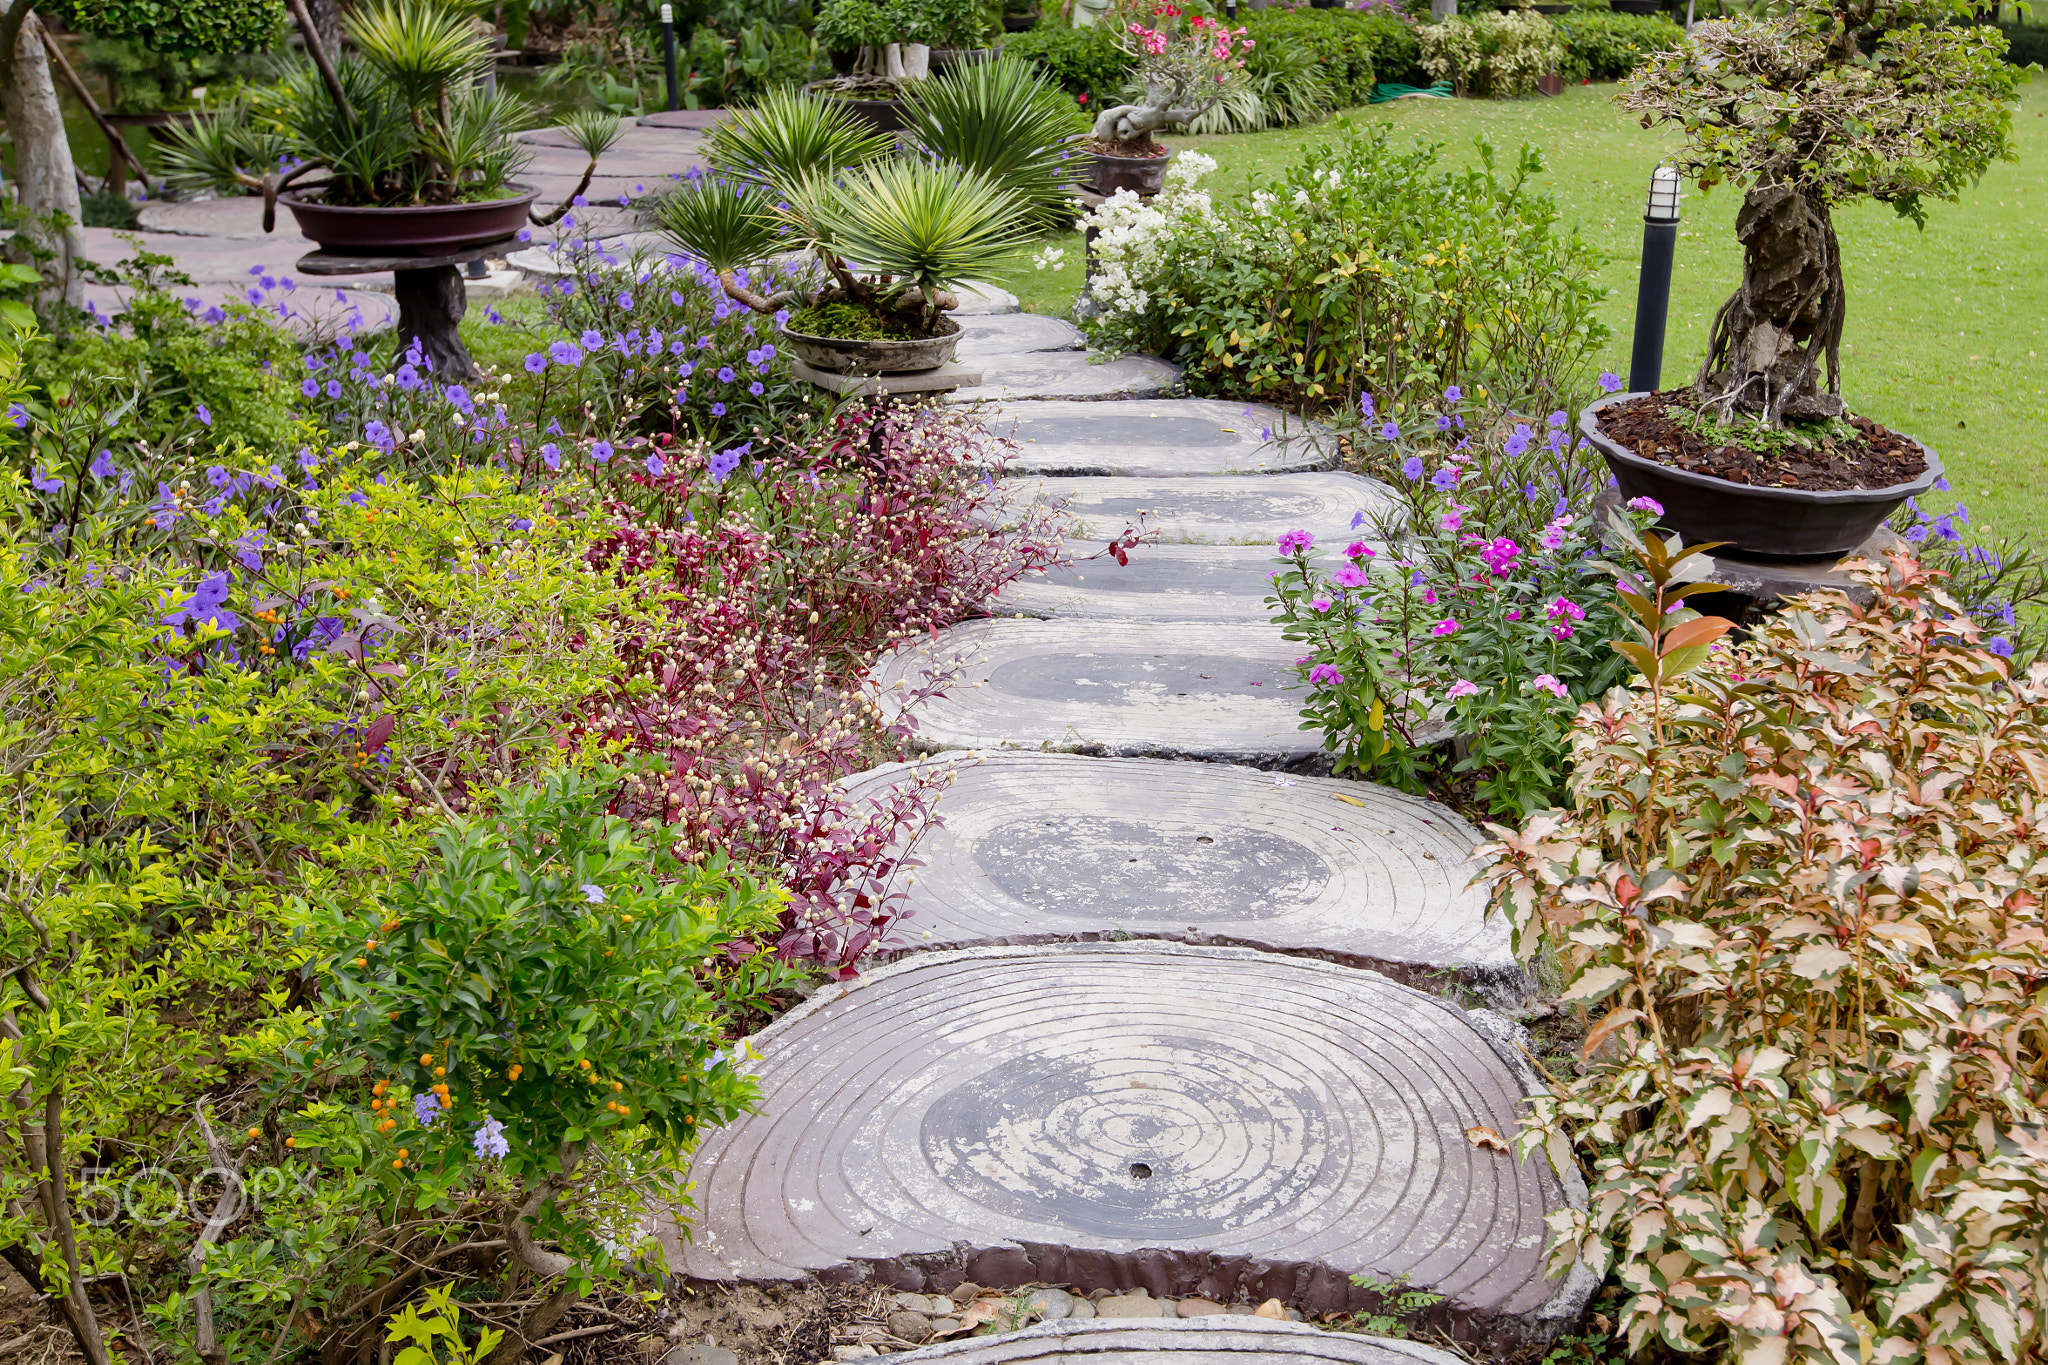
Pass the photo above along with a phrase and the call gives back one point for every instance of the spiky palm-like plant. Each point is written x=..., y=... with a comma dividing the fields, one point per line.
x=1008, y=120
x=789, y=135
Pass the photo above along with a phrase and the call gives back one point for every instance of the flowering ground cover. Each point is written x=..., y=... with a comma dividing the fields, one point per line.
x=1944, y=348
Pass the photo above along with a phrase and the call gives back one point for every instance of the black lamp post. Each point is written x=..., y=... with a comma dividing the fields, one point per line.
x=1653, y=293
x=668, y=47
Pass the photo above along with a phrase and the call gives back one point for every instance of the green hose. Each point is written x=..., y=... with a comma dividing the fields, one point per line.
x=1386, y=91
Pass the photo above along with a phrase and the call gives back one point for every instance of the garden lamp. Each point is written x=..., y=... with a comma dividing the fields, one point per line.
x=668, y=48
x=1653, y=292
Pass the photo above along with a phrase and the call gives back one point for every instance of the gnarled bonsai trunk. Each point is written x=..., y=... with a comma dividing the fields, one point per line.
x=1769, y=340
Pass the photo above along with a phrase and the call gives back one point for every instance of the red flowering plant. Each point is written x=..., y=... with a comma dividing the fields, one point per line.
x=1187, y=63
x=1468, y=608
x=879, y=529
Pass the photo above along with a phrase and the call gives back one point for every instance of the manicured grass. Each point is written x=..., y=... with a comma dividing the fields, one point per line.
x=1945, y=326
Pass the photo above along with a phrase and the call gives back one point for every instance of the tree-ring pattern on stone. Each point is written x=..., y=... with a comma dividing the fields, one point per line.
x=986, y=1112
x=1190, y=1341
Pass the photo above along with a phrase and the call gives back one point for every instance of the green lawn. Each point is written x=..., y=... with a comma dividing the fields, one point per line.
x=1944, y=325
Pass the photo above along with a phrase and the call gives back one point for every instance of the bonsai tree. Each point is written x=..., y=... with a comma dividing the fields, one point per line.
x=404, y=122
x=877, y=31
x=1831, y=101
x=804, y=174
x=1187, y=63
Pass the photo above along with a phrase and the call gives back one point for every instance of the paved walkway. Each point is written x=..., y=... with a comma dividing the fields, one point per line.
x=1177, y=1017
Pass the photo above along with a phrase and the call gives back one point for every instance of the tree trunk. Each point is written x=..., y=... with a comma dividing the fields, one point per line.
x=326, y=16
x=45, y=178
x=1770, y=339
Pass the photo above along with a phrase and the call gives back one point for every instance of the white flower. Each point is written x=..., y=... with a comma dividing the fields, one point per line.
x=1052, y=258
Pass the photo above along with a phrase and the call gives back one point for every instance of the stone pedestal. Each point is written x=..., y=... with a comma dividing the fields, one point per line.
x=946, y=378
x=432, y=297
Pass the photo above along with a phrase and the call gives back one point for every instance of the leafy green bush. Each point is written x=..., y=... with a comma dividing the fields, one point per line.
x=179, y=27
x=1084, y=61
x=1607, y=46
x=1798, y=894
x=1364, y=269
x=1354, y=50
x=1493, y=56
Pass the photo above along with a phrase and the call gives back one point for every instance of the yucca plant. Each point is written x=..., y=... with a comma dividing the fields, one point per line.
x=403, y=122
x=790, y=135
x=728, y=224
x=1008, y=120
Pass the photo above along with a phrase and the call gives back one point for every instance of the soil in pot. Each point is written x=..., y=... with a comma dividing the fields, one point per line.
x=1817, y=457
x=851, y=322
x=1131, y=147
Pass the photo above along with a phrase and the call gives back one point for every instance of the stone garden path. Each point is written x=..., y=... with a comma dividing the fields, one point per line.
x=1176, y=1023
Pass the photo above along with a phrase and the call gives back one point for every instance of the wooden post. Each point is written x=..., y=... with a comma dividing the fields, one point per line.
x=117, y=146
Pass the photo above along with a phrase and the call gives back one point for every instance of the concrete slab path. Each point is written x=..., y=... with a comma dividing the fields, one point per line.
x=1213, y=511
x=1154, y=438
x=1190, y=1341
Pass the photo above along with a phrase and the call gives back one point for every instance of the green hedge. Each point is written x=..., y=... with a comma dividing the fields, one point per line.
x=2029, y=43
x=1606, y=47
x=1354, y=50
x=1085, y=61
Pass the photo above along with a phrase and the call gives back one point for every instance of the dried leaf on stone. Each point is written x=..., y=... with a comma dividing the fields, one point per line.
x=1479, y=1135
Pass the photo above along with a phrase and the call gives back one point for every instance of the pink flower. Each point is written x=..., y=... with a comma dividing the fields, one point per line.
x=1324, y=674
x=1650, y=505
x=1320, y=604
x=1564, y=608
x=1350, y=576
x=1462, y=688
x=1358, y=549
x=1515, y=614
x=1544, y=682
x=1447, y=626
x=1561, y=632
x=1451, y=521
x=1429, y=597
x=1499, y=554
x=1553, y=535
x=1291, y=542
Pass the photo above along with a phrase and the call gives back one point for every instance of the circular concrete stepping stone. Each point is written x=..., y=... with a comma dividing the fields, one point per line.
x=1003, y=334
x=980, y=299
x=1155, y=438
x=1069, y=375
x=237, y=217
x=1228, y=692
x=1212, y=1120
x=1213, y=511
x=1161, y=582
x=1038, y=848
x=1199, y=1341
x=703, y=120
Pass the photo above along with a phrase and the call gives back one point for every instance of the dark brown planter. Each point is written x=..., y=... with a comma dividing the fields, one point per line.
x=1636, y=6
x=1019, y=23
x=1550, y=85
x=844, y=355
x=409, y=230
x=883, y=115
x=945, y=58
x=1774, y=523
x=1138, y=174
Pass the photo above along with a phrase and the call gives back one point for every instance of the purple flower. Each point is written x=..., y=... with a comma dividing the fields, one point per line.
x=17, y=414
x=1454, y=394
x=1390, y=432
x=1445, y=479
x=655, y=465
x=718, y=409
x=756, y=389
x=1451, y=521
x=1365, y=408
x=46, y=482
x=103, y=466
x=310, y=387
x=726, y=461
x=535, y=362
x=1941, y=484
x=206, y=605
x=1499, y=555
x=1565, y=609
x=625, y=300
x=205, y=417
x=1519, y=440
x=1610, y=382
x=426, y=1110
x=565, y=352
x=2000, y=646
x=683, y=368
x=725, y=374
x=489, y=1140
x=1557, y=420
x=1650, y=505
x=334, y=388
x=1294, y=542
x=601, y=452
x=551, y=455
x=592, y=339
x=1411, y=469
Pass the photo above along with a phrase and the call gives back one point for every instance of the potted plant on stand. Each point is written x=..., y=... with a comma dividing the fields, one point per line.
x=1186, y=64
x=1824, y=104
x=885, y=37
x=890, y=239
x=958, y=31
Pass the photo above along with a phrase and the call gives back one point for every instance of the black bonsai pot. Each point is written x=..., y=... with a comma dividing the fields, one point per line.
x=847, y=355
x=408, y=229
x=1772, y=523
x=1636, y=6
x=1139, y=174
x=884, y=115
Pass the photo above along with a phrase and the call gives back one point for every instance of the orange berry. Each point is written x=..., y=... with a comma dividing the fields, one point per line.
x=513, y=1074
x=380, y=1087
x=291, y=1142
x=362, y=962
x=398, y=1163
x=585, y=1063
x=404, y=1152
x=440, y=1071
x=255, y=1132
x=426, y=1059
